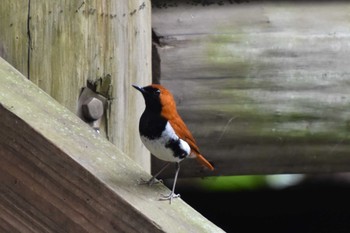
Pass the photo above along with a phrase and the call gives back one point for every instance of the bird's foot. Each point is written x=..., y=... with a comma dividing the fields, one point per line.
x=169, y=197
x=149, y=182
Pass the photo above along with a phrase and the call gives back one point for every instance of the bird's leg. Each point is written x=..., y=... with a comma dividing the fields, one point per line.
x=172, y=193
x=154, y=180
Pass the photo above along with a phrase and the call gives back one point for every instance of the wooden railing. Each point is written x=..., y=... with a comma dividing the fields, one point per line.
x=58, y=175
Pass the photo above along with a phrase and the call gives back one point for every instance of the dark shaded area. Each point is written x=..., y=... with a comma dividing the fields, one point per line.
x=311, y=207
x=205, y=3
x=155, y=59
x=175, y=3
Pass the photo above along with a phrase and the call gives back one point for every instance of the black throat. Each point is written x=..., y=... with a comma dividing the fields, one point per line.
x=152, y=124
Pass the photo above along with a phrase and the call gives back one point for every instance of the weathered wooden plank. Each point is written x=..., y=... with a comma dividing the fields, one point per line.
x=14, y=39
x=61, y=45
x=264, y=86
x=58, y=175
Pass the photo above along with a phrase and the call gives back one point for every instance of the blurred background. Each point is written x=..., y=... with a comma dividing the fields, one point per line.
x=265, y=88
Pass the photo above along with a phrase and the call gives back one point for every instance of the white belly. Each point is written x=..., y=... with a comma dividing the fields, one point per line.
x=158, y=146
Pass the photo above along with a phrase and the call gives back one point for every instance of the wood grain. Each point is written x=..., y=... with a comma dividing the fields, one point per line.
x=264, y=86
x=63, y=45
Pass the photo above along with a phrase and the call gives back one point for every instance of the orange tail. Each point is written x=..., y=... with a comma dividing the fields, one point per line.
x=204, y=162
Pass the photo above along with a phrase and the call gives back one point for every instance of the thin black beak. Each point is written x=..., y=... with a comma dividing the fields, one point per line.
x=138, y=88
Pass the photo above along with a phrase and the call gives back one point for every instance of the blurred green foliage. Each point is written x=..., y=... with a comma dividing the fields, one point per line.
x=232, y=183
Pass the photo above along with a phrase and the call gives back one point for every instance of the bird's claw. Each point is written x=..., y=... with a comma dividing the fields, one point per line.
x=169, y=197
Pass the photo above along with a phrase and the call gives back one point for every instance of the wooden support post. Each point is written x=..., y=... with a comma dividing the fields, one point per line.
x=62, y=45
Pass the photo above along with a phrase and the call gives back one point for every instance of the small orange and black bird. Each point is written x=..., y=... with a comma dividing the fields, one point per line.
x=165, y=134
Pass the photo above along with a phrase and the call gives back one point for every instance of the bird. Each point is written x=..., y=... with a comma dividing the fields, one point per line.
x=165, y=134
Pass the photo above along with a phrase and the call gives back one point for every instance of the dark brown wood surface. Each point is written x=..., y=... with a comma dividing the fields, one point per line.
x=263, y=85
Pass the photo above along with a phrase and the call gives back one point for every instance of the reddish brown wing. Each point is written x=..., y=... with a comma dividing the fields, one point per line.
x=169, y=112
x=183, y=132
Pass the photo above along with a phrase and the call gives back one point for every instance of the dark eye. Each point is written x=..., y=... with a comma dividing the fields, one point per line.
x=157, y=92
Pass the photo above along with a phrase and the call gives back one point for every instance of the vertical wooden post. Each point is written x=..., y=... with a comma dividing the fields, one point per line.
x=61, y=45
x=14, y=39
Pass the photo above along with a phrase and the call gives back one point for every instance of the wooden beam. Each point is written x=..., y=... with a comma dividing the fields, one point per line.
x=264, y=86
x=59, y=175
x=62, y=45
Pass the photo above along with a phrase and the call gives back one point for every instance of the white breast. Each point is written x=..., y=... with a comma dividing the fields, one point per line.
x=157, y=146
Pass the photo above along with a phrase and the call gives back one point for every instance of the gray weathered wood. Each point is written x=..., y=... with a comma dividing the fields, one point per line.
x=61, y=45
x=264, y=86
x=58, y=175
x=14, y=40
